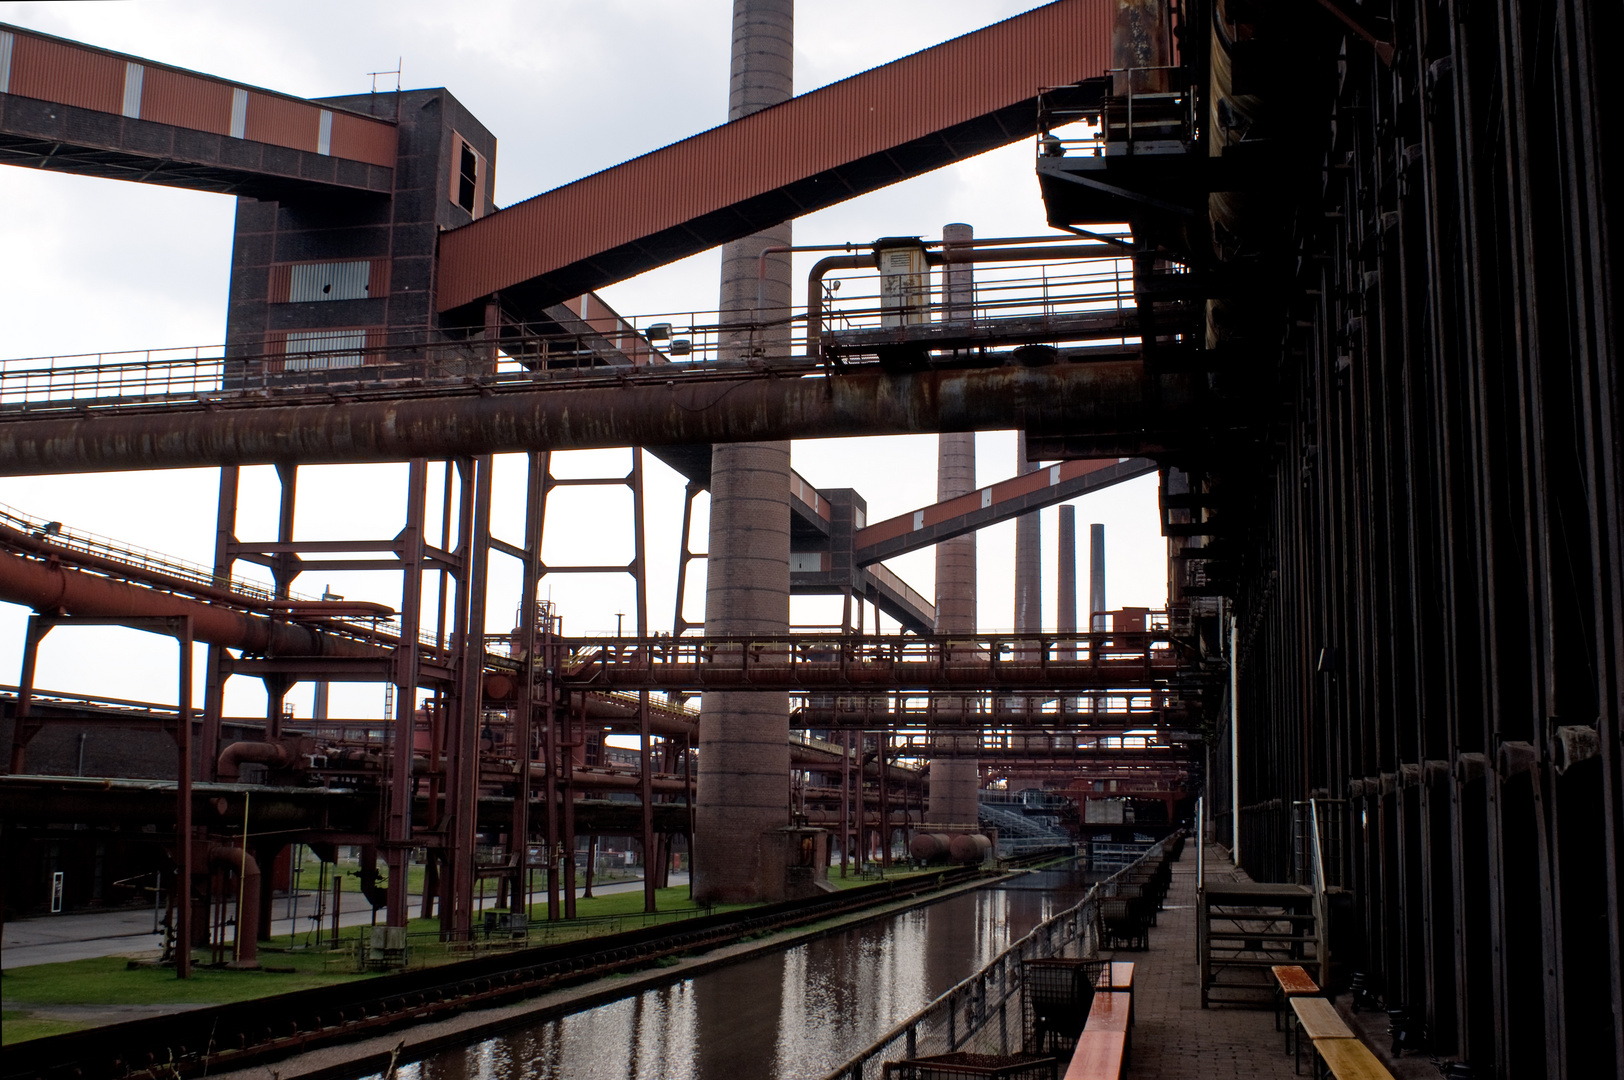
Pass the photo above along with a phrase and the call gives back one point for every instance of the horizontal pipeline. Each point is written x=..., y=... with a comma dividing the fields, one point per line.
x=47, y=586
x=1112, y=400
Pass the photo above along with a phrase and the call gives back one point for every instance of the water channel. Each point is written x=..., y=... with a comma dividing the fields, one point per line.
x=786, y=1015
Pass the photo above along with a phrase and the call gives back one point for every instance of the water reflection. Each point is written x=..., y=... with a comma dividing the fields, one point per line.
x=796, y=1013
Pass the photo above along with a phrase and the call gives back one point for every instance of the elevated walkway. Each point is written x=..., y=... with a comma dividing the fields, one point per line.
x=1173, y=1035
x=813, y=151
x=71, y=107
x=990, y=505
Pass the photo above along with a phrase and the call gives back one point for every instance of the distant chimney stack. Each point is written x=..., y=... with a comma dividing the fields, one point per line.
x=1096, y=578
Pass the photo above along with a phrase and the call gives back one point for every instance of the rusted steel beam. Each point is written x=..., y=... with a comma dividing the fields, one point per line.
x=1112, y=401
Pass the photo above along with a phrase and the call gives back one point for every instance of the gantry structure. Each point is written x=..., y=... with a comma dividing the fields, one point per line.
x=1360, y=323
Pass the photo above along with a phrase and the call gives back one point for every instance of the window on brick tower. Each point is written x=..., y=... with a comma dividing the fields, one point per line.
x=467, y=178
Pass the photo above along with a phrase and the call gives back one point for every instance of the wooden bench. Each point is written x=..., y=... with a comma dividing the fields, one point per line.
x=1318, y=1019
x=1105, y=1047
x=1290, y=981
x=1118, y=976
x=1350, y=1059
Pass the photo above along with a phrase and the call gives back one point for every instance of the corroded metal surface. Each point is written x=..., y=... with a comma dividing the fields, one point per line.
x=1107, y=399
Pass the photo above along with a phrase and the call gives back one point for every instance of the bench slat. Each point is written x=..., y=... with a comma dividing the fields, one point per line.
x=1117, y=976
x=1099, y=1054
x=1320, y=1019
x=1292, y=979
x=1109, y=1012
x=1349, y=1059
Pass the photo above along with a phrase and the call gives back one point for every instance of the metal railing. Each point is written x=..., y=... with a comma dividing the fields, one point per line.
x=1322, y=951
x=1096, y=281
x=1136, y=747
x=944, y=711
x=607, y=349
x=1107, y=856
x=1035, y=800
x=205, y=375
x=131, y=555
x=983, y=1013
x=1129, y=653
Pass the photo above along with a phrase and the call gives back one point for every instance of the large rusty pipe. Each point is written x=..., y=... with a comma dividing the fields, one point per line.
x=814, y=293
x=272, y=755
x=54, y=552
x=819, y=816
x=618, y=715
x=1104, y=398
x=588, y=777
x=233, y=860
x=813, y=759
x=47, y=587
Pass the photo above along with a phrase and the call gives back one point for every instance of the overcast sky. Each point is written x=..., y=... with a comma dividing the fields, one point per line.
x=569, y=87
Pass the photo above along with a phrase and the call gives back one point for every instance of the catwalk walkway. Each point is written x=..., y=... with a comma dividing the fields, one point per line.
x=1173, y=1035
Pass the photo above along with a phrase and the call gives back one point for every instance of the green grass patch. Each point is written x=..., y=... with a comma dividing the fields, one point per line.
x=896, y=873
x=630, y=903
x=599, y=915
x=310, y=876
x=112, y=981
x=18, y=1026
x=109, y=980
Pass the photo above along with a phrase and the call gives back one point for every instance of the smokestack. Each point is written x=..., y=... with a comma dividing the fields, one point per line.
x=955, y=782
x=956, y=469
x=1066, y=620
x=744, y=737
x=1096, y=577
x=1028, y=558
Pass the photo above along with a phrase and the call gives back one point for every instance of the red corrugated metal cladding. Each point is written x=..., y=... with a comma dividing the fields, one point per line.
x=52, y=69
x=359, y=138
x=173, y=97
x=882, y=108
x=281, y=122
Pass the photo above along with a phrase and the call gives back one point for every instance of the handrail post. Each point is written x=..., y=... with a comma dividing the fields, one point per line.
x=1322, y=947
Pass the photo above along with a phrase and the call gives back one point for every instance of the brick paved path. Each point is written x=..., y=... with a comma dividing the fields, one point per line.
x=1174, y=1037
